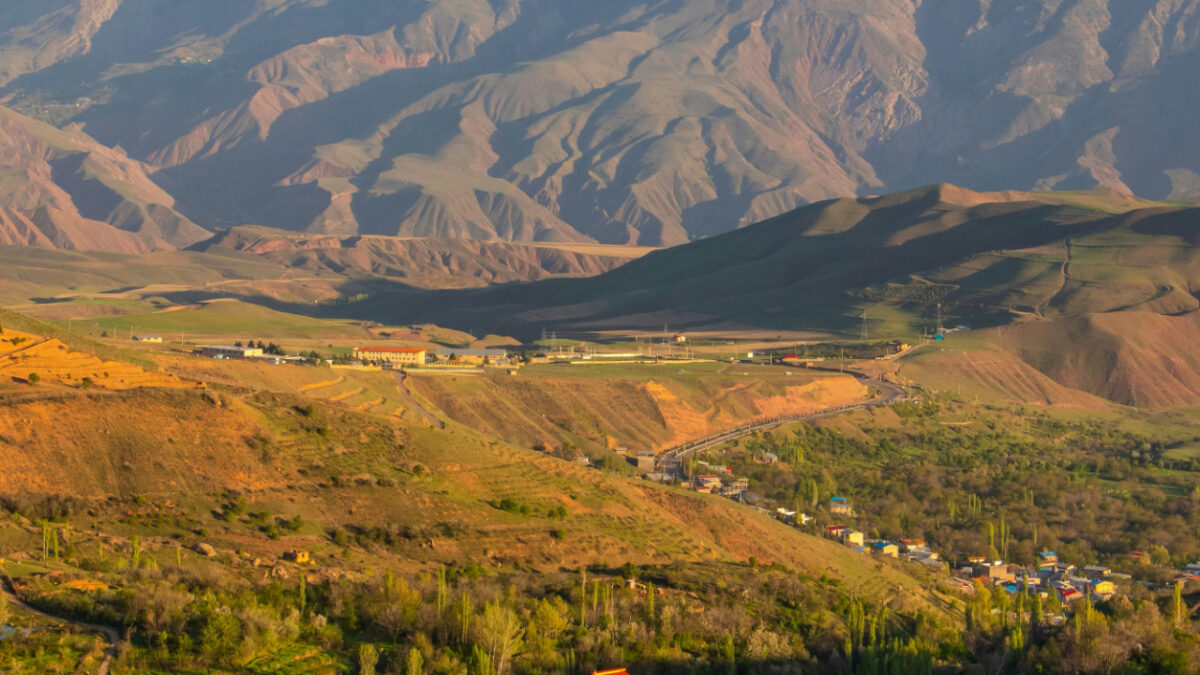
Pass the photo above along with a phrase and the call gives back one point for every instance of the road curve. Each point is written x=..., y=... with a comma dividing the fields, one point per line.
x=888, y=394
x=109, y=633
x=402, y=385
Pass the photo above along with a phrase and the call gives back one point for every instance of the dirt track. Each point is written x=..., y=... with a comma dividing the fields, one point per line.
x=109, y=633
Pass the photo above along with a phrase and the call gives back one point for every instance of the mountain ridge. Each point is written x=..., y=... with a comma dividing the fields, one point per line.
x=620, y=123
x=421, y=262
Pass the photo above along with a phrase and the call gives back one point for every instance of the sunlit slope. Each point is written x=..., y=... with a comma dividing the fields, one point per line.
x=621, y=121
x=337, y=467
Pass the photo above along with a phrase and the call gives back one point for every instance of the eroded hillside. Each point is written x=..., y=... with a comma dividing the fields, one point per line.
x=620, y=121
x=646, y=408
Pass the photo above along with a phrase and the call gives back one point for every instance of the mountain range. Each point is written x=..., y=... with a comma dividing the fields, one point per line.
x=621, y=122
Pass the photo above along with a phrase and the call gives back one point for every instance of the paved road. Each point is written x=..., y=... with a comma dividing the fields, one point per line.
x=109, y=633
x=888, y=394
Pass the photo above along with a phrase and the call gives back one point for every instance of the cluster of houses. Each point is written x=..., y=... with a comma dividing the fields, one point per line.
x=719, y=481
x=737, y=488
x=1051, y=575
x=1068, y=582
x=915, y=550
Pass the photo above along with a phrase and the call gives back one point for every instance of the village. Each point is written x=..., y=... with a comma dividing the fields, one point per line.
x=1050, y=577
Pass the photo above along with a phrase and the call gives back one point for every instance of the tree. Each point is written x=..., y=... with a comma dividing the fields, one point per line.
x=441, y=589
x=729, y=655
x=500, y=634
x=219, y=638
x=464, y=618
x=368, y=658
x=1177, y=604
x=34, y=378
x=414, y=664
x=303, y=591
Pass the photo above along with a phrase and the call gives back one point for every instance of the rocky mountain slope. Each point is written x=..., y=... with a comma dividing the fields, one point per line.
x=62, y=189
x=620, y=122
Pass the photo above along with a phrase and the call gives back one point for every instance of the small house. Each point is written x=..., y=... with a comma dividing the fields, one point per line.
x=298, y=557
x=885, y=548
x=1047, y=558
x=852, y=538
x=838, y=506
x=996, y=572
x=1068, y=594
x=148, y=338
x=1101, y=588
x=1096, y=571
x=645, y=461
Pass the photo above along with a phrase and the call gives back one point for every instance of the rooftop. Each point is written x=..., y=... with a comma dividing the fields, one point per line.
x=498, y=353
x=389, y=350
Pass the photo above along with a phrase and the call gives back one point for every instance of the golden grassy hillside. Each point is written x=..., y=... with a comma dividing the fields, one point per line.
x=436, y=491
x=54, y=363
x=643, y=407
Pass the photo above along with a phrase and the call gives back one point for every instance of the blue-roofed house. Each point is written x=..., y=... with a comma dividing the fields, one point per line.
x=840, y=507
x=885, y=548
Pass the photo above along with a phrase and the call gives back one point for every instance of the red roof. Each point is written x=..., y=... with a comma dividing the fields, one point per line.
x=391, y=350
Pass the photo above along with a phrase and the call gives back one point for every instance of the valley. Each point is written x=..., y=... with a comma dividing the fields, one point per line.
x=547, y=337
x=502, y=474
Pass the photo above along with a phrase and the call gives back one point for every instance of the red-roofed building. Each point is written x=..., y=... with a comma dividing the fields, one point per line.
x=397, y=355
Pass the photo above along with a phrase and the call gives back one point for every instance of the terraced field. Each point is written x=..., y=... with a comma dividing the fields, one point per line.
x=26, y=357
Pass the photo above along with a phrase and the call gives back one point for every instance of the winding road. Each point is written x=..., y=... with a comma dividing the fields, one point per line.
x=888, y=394
x=7, y=594
x=402, y=386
